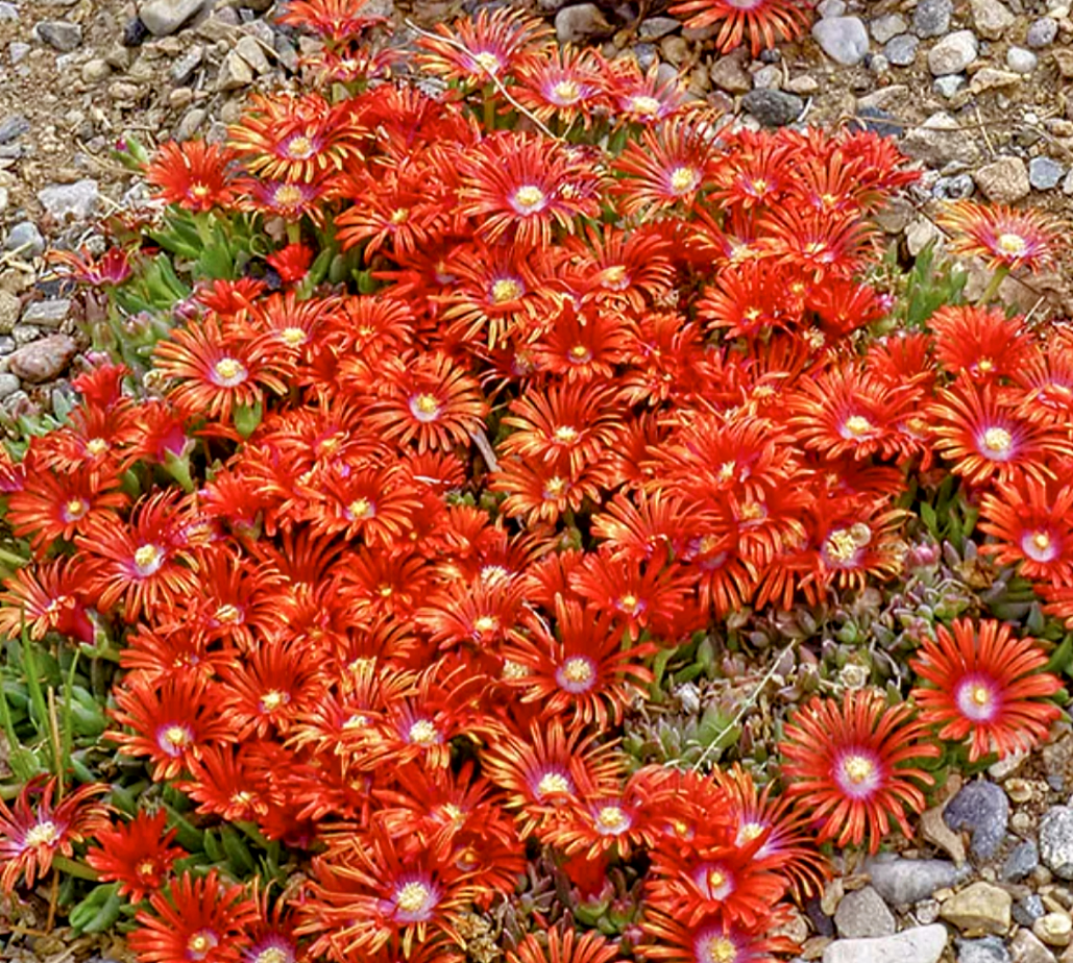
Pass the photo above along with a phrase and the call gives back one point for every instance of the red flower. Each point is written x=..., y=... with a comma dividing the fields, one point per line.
x=195, y=175
x=848, y=765
x=564, y=945
x=137, y=854
x=983, y=343
x=47, y=597
x=1007, y=238
x=762, y=22
x=986, y=686
x=1033, y=525
x=200, y=921
x=110, y=269
x=36, y=829
x=291, y=262
x=711, y=940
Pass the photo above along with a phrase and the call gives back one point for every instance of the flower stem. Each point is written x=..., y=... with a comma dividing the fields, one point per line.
x=74, y=867
x=996, y=282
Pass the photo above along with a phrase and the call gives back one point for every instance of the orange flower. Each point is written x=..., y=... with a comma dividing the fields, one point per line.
x=1033, y=523
x=138, y=854
x=334, y=20
x=565, y=84
x=987, y=685
x=195, y=175
x=564, y=945
x=981, y=342
x=1005, y=237
x=47, y=597
x=762, y=22
x=849, y=765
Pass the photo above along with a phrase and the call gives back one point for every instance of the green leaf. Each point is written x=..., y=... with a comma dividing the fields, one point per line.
x=99, y=911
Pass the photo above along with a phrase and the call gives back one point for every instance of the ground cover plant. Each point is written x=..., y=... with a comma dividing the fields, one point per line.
x=467, y=447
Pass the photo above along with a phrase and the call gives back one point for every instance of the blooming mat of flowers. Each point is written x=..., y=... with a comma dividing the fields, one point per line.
x=436, y=426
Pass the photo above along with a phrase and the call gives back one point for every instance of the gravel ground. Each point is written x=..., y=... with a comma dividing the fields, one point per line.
x=980, y=93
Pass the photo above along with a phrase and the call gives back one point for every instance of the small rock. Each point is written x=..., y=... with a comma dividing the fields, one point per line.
x=931, y=18
x=1042, y=32
x=189, y=125
x=96, y=70
x=991, y=18
x=926, y=911
x=988, y=950
x=9, y=384
x=10, y=306
x=1026, y=911
x=580, y=23
x=863, y=913
x=77, y=201
x=1044, y=173
x=235, y=73
x=843, y=39
x=1025, y=947
x=921, y=944
x=1063, y=60
x=904, y=881
x=26, y=240
x=979, y=909
x=1004, y=181
x=768, y=78
x=1067, y=184
x=675, y=51
x=59, y=34
x=135, y=33
x=1021, y=61
x=182, y=70
x=1054, y=929
x=773, y=108
x=988, y=78
x=885, y=28
x=729, y=74
x=1007, y=766
x=253, y=53
x=1023, y=858
x=9, y=13
x=902, y=50
x=646, y=54
x=653, y=28
x=982, y=809
x=13, y=127
x=43, y=360
x=806, y=85
x=932, y=826
x=25, y=333
x=831, y=8
x=949, y=86
x=953, y=53
x=879, y=121
x=18, y=51
x=47, y=314
x=164, y=17
x=940, y=141
x=3, y=199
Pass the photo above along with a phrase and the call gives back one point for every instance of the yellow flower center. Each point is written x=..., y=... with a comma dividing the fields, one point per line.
x=683, y=179
x=201, y=943
x=719, y=950
x=486, y=623
x=229, y=371
x=998, y=440
x=242, y=798
x=985, y=364
x=611, y=818
x=716, y=879
x=360, y=508
x=528, y=198
x=759, y=185
x=750, y=831
x=629, y=603
x=400, y=215
x=287, y=195
x=644, y=105
x=412, y=897
x=273, y=699
x=857, y=425
x=554, y=487
x=506, y=289
x=566, y=91
x=514, y=670
x=423, y=733
x=1010, y=243
x=300, y=148
x=76, y=508
x=488, y=61
x=580, y=352
x=146, y=868
x=577, y=670
x=293, y=337
x=43, y=834
x=980, y=695
x=177, y=737
x=96, y=446
x=148, y=559
x=857, y=769
x=200, y=190
x=566, y=435
x=1041, y=540
x=840, y=546
x=553, y=783
x=726, y=470
x=272, y=954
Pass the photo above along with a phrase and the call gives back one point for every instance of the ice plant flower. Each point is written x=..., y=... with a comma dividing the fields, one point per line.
x=194, y=175
x=985, y=686
x=761, y=22
x=139, y=854
x=850, y=764
x=1004, y=237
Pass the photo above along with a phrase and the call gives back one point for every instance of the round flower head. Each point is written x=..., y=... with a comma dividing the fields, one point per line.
x=985, y=686
x=1003, y=236
x=762, y=22
x=848, y=764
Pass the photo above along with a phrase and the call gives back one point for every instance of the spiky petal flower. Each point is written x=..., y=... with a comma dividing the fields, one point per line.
x=848, y=763
x=986, y=686
x=195, y=175
x=1005, y=237
x=564, y=946
x=138, y=854
x=761, y=22
x=202, y=921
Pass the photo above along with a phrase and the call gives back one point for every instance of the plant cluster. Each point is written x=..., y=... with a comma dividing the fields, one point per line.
x=427, y=425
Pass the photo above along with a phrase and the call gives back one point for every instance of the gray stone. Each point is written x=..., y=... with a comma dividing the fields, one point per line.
x=988, y=950
x=47, y=314
x=1056, y=841
x=652, y=28
x=43, y=360
x=931, y=18
x=979, y=909
x=25, y=333
x=988, y=78
x=921, y=944
x=862, y=913
x=18, y=51
x=885, y=28
x=1044, y=173
x=769, y=78
x=1042, y=32
x=1026, y=947
x=675, y=50
x=10, y=309
x=982, y=809
x=953, y=53
x=831, y=8
x=1021, y=61
x=1067, y=184
x=3, y=199
x=843, y=39
x=182, y=70
x=939, y=141
x=902, y=50
x=773, y=108
x=948, y=86
x=9, y=13
x=729, y=74
x=955, y=188
x=9, y=384
x=1004, y=181
x=25, y=239
x=235, y=73
x=904, y=881
x=77, y=201
x=253, y=53
x=646, y=54
x=1026, y=911
x=96, y=70
x=581, y=22
x=59, y=34
x=164, y=17
x=13, y=127
x=1023, y=858
x=991, y=18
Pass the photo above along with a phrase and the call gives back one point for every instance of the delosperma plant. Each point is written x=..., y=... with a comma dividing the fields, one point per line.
x=444, y=432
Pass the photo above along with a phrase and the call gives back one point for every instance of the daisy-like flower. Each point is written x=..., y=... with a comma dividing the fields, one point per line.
x=711, y=940
x=198, y=921
x=195, y=175
x=565, y=84
x=36, y=829
x=290, y=200
x=46, y=597
x=333, y=20
x=519, y=186
x=643, y=97
x=1004, y=237
x=139, y=854
x=986, y=687
x=1033, y=523
x=850, y=765
x=762, y=22
x=492, y=44
x=981, y=342
x=987, y=439
x=564, y=946
x=111, y=268
x=668, y=166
